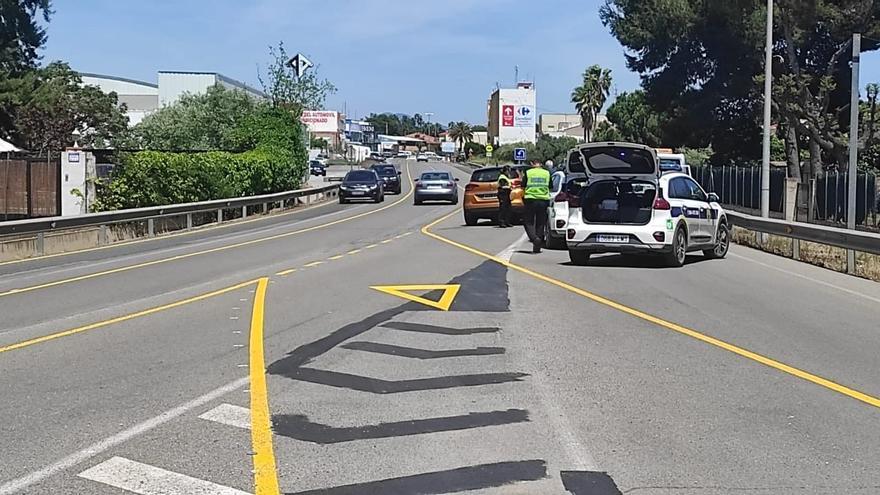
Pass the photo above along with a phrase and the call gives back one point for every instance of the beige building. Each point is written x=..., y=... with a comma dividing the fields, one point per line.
x=553, y=122
x=559, y=124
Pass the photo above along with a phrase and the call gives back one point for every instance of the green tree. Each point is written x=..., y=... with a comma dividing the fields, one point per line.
x=199, y=122
x=52, y=110
x=634, y=120
x=461, y=133
x=697, y=61
x=285, y=89
x=21, y=35
x=606, y=131
x=590, y=96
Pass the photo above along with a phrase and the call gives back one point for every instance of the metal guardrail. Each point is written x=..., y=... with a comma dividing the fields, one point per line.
x=867, y=242
x=52, y=224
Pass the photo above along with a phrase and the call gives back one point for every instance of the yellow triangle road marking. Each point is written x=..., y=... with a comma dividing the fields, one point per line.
x=443, y=304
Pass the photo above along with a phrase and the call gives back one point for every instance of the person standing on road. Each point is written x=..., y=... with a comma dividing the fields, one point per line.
x=536, y=186
x=504, y=186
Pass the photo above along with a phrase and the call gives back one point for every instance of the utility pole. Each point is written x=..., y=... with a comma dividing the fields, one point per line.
x=768, y=88
x=852, y=172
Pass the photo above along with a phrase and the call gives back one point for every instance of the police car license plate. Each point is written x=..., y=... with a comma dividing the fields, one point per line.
x=434, y=186
x=617, y=239
x=357, y=193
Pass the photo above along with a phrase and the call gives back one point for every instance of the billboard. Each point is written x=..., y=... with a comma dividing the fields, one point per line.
x=321, y=120
x=524, y=116
x=507, y=115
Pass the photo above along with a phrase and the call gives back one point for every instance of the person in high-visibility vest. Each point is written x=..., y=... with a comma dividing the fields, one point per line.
x=536, y=198
x=504, y=187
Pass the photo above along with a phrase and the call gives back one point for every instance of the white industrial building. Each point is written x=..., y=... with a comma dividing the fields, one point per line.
x=512, y=115
x=142, y=98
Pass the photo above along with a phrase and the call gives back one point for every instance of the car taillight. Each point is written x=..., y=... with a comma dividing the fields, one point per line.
x=470, y=187
x=450, y=184
x=574, y=201
x=661, y=204
x=516, y=183
x=561, y=198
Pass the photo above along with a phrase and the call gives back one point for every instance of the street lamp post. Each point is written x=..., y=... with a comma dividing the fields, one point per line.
x=768, y=76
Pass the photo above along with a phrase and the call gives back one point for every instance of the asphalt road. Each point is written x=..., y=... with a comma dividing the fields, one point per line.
x=137, y=369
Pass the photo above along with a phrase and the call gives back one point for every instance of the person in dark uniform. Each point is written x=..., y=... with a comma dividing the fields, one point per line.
x=504, y=187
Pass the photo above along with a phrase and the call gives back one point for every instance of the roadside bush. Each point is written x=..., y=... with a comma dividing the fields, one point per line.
x=274, y=157
x=153, y=178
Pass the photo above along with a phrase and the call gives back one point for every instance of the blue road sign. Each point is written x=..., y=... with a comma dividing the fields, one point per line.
x=519, y=154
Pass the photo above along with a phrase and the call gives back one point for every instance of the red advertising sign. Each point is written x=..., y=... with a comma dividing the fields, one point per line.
x=507, y=115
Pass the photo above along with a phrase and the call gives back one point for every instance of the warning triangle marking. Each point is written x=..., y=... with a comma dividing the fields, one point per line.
x=403, y=291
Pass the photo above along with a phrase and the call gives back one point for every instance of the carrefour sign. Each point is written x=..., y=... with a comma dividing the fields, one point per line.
x=524, y=116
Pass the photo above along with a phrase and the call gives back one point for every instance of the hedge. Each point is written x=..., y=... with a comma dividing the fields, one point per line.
x=153, y=178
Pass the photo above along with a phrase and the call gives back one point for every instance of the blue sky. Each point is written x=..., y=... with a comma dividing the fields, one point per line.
x=384, y=55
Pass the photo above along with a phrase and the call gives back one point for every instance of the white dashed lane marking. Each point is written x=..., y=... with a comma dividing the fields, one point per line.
x=144, y=479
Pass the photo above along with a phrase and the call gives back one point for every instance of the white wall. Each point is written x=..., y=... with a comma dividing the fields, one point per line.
x=172, y=85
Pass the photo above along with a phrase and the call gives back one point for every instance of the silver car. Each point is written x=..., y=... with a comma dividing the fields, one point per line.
x=436, y=186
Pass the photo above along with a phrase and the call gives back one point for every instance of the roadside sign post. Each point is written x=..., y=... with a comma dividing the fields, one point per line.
x=489, y=150
x=519, y=155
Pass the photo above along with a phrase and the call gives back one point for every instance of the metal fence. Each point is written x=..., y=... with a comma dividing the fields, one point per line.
x=822, y=201
x=741, y=186
x=829, y=200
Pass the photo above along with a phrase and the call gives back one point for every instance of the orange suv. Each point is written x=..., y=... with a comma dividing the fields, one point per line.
x=481, y=194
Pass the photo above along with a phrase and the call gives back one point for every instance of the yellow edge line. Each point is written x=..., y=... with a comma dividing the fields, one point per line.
x=772, y=363
x=92, y=326
x=265, y=474
x=206, y=251
x=337, y=257
x=314, y=263
x=286, y=272
x=371, y=246
x=202, y=228
x=386, y=241
x=354, y=251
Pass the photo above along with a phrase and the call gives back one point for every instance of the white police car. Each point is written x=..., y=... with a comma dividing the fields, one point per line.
x=626, y=206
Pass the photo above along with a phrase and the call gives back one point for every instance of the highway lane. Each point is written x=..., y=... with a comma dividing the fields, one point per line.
x=520, y=382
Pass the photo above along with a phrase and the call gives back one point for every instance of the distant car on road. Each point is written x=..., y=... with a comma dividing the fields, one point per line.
x=421, y=157
x=317, y=168
x=402, y=154
x=481, y=195
x=436, y=186
x=390, y=177
x=627, y=206
x=377, y=156
x=361, y=184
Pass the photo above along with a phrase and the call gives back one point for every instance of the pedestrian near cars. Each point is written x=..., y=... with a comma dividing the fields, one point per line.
x=504, y=187
x=536, y=199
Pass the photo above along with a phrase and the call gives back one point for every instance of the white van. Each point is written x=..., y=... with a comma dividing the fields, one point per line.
x=673, y=162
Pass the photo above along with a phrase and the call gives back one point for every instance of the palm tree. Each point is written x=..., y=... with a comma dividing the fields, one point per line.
x=461, y=133
x=590, y=96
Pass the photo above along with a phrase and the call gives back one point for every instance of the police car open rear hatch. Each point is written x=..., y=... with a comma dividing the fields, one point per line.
x=617, y=161
x=622, y=182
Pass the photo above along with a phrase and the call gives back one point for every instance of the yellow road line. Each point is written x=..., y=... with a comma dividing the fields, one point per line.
x=354, y=251
x=312, y=264
x=386, y=241
x=772, y=363
x=371, y=246
x=337, y=257
x=100, y=324
x=203, y=228
x=265, y=474
x=206, y=251
x=286, y=272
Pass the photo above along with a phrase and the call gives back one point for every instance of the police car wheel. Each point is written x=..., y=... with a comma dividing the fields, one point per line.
x=578, y=257
x=722, y=244
x=677, y=256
